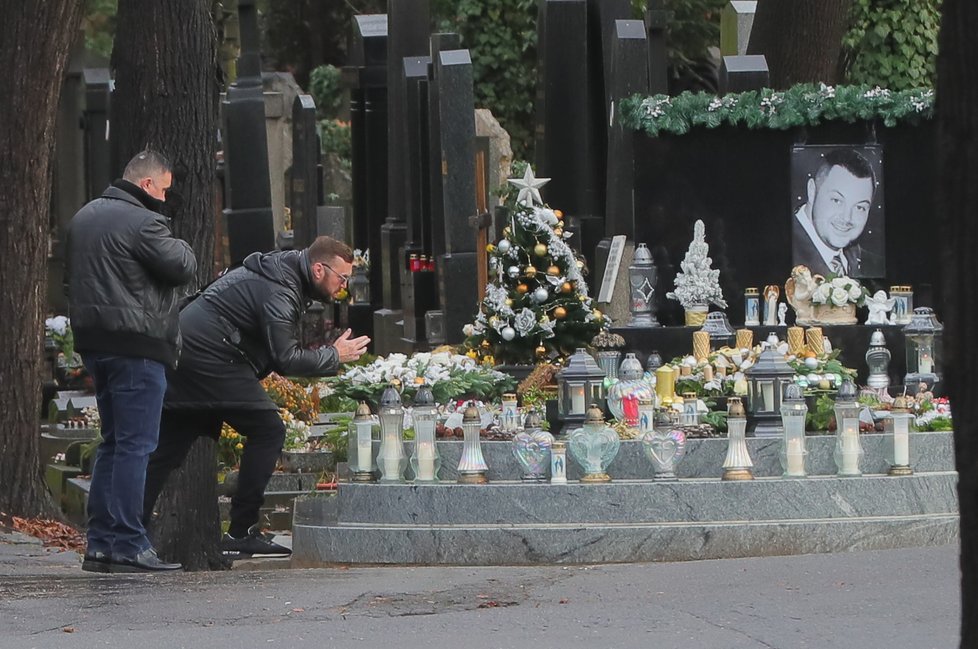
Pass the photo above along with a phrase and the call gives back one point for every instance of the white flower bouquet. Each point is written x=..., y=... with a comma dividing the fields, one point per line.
x=838, y=291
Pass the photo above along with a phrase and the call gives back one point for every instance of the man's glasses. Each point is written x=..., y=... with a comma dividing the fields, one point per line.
x=345, y=279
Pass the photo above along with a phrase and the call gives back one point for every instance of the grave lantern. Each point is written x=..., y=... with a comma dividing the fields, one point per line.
x=848, y=449
x=737, y=464
x=360, y=439
x=793, y=413
x=923, y=340
x=641, y=279
x=897, y=427
x=594, y=446
x=472, y=468
x=578, y=384
x=359, y=286
x=878, y=362
x=392, y=460
x=426, y=460
x=766, y=382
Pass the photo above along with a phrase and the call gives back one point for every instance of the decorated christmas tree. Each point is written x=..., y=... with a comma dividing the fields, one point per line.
x=536, y=305
x=697, y=284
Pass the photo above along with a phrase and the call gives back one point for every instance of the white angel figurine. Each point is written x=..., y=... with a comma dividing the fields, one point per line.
x=879, y=305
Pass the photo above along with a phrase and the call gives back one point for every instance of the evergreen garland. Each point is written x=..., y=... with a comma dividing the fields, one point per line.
x=801, y=105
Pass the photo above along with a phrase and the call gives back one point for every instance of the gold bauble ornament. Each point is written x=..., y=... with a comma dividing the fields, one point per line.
x=522, y=288
x=530, y=271
x=558, y=214
x=597, y=314
x=490, y=248
x=559, y=231
x=540, y=250
x=541, y=351
x=506, y=231
x=566, y=287
x=485, y=344
x=553, y=271
x=509, y=301
x=560, y=313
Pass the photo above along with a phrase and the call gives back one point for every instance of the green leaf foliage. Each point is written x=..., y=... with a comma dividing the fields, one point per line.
x=801, y=105
x=892, y=43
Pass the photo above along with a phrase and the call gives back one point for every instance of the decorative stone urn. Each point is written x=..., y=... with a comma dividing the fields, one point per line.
x=829, y=314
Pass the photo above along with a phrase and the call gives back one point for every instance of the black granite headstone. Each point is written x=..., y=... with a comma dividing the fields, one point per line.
x=366, y=77
x=456, y=106
x=248, y=191
x=305, y=171
x=417, y=191
x=629, y=75
x=566, y=117
x=742, y=73
x=439, y=42
x=656, y=22
x=98, y=156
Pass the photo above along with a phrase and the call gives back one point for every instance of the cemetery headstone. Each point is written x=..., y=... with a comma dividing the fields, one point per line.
x=305, y=171
x=500, y=160
x=248, y=217
x=656, y=22
x=736, y=21
x=438, y=43
x=98, y=163
x=743, y=73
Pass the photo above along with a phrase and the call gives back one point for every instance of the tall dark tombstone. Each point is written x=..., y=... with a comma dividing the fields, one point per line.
x=365, y=75
x=656, y=21
x=418, y=292
x=248, y=191
x=629, y=75
x=457, y=268
x=743, y=73
x=439, y=43
x=568, y=119
x=304, y=175
x=95, y=122
x=408, y=29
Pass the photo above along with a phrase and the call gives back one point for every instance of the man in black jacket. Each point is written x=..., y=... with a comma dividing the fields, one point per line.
x=122, y=271
x=241, y=328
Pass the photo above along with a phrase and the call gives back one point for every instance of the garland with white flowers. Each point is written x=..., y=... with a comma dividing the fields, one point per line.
x=801, y=105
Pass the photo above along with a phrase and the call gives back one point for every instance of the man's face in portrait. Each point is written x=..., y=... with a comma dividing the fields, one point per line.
x=839, y=206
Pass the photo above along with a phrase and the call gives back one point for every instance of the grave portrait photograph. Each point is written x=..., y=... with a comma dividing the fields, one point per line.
x=837, y=223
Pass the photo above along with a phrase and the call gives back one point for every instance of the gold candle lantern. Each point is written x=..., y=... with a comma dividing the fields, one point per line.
x=745, y=339
x=665, y=387
x=701, y=346
x=813, y=340
x=796, y=340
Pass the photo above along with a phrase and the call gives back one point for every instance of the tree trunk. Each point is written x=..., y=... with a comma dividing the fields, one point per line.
x=36, y=37
x=166, y=91
x=957, y=203
x=801, y=39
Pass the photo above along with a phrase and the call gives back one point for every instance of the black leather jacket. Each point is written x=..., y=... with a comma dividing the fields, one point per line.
x=242, y=327
x=122, y=270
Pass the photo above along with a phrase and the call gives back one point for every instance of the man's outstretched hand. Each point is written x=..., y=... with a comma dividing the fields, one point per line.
x=350, y=349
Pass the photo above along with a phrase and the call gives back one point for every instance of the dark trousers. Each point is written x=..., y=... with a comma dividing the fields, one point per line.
x=265, y=435
x=129, y=392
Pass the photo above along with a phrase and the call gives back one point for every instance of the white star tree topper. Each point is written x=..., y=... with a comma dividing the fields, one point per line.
x=529, y=187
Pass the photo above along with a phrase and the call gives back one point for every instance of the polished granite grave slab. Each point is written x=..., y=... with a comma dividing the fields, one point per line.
x=634, y=518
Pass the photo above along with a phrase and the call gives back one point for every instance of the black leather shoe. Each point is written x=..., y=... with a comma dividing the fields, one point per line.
x=145, y=561
x=97, y=562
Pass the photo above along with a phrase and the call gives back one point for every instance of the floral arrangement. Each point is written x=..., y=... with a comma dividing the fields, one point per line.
x=449, y=375
x=801, y=105
x=838, y=291
x=292, y=397
x=697, y=282
x=230, y=446
x=58, y=329
x=296, y=432
x=361, y=259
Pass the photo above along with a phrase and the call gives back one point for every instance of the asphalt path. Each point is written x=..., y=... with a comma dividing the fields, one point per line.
x=864, y=600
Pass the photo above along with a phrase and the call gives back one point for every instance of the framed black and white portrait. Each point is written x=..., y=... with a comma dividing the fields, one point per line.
x=837, y=209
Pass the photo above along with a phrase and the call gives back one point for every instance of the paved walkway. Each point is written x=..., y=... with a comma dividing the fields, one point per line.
x=864, y=600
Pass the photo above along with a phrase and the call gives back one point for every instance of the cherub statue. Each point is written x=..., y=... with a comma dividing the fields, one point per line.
x=782, y=314
x=879, y=305
x=798, y=291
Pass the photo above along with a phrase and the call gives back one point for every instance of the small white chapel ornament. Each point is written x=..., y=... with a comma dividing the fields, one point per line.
x=529, y=186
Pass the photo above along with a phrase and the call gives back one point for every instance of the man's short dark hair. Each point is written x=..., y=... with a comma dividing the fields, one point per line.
x=325, y=248
x=850, y=160
x=146, y=164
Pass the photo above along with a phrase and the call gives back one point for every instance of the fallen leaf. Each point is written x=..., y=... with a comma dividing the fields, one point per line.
x=68, y=629
x=564, y=601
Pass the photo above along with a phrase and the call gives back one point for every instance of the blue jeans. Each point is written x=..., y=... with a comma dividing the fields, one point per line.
x=129, y=392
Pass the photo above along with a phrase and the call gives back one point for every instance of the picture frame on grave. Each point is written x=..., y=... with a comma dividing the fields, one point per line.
x=838, y=216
